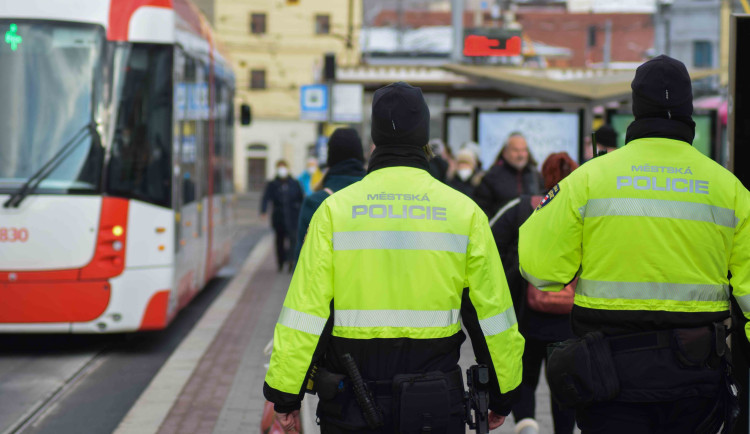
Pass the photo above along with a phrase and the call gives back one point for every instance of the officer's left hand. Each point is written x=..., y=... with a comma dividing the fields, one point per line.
x=495, y=420
x=289, y=421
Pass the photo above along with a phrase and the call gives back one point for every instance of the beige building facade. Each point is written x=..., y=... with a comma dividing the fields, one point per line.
x=277, y=46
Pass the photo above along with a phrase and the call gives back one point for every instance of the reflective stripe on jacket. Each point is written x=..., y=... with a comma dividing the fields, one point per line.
x=652, y=229
x=394, y=253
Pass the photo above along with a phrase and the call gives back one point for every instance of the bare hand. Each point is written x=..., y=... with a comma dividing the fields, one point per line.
x=264, y=216
x=290, y=421
x=495, y=420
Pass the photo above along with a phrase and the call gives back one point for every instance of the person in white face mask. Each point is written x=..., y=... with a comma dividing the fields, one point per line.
x=466, y=177
x=285, y=195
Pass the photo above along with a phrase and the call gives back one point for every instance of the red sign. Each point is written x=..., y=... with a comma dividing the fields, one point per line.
x=475, y=46
x=12, y=235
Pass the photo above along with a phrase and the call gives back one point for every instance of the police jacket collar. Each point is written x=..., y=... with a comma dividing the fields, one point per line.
x=397, y=155
x=661, y=128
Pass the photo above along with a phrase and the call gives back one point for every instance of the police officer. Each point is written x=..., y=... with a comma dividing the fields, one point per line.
x=389, y=266
x=652, y=231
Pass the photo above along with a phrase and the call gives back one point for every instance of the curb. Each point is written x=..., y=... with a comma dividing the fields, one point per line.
x=152, y=407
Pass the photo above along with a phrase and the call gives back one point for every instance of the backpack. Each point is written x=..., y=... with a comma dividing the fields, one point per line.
x=560, y=302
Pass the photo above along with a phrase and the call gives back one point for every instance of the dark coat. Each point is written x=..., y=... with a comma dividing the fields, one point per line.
x=503, y=182
x=339, y=176
x=439, y=168
x=536, y=325
x=467, y=187
x=286, y=197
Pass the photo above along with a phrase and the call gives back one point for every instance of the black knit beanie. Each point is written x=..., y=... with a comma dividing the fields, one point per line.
x=662, y=89
x=606, y=136
x=400, y=116
x=344, y=144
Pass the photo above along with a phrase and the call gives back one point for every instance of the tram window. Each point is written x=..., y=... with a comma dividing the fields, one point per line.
x=140, y=158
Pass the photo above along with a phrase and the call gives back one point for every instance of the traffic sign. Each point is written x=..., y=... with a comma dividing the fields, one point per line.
x=314, y=102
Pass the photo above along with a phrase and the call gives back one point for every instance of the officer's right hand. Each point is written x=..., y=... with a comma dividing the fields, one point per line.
x=290, y=421
x=495, y=420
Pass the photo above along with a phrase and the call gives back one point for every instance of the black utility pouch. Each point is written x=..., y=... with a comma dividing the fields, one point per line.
x=421, y=403
x=328, y=384
x=582, y=371
x=694, y=347
x=341, y=409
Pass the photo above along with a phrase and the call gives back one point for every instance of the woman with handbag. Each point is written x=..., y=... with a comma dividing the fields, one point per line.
x=543, y=317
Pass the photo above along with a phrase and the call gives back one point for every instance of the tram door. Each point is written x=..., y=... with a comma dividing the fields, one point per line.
x=189, y=180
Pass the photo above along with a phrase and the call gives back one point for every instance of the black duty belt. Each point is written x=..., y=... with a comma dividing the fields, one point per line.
x=640, y=341
x=656, y=340
x=385, y=387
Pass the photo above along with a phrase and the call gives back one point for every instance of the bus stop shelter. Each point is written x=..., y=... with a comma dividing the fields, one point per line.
x=588, y=87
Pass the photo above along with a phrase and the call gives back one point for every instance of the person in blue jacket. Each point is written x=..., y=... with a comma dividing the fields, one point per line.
x=345, y=167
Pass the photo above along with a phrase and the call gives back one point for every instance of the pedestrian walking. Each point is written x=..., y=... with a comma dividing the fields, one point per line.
x=345, y=164
x=606, y=138
x=439, y=163
x=311, y=176
x=513, y=174
x=543, y=317
x=652, y=232
x=389, y=267
x=285, y=195
x=467, y=175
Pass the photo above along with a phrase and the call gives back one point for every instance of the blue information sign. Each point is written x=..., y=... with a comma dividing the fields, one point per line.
x=314, y=102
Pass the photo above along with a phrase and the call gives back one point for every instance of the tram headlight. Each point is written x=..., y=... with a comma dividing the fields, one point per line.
x=117, y=245
x=117, y=230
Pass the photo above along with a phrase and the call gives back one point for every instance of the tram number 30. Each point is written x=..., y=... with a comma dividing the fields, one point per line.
x=13, y=235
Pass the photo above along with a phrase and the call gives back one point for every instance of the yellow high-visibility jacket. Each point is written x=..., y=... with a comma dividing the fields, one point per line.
x=393, y=253
x=652, y=230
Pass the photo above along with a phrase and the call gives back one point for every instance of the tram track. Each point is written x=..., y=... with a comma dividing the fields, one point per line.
x=38, y=411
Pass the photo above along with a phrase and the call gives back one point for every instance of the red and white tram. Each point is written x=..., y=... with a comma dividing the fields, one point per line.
x=116, y=133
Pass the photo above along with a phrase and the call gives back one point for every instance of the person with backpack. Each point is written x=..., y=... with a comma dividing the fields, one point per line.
x=543, y=317
x=345, y=166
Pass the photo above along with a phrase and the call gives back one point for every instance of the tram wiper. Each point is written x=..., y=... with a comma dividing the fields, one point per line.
x=34, y=180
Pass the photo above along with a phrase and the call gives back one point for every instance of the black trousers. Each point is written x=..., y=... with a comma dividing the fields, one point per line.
x=285, y=240
x=534, y=354
x=675, y=417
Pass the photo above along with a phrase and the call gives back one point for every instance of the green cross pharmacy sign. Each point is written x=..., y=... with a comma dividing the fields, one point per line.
x=12, y=38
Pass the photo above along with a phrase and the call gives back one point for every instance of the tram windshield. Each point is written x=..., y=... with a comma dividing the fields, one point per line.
x=49, y=80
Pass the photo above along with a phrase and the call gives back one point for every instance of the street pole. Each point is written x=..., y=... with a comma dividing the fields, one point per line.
x=400, y=24
x=457, y=21
x=607, y=43
x=667, y=30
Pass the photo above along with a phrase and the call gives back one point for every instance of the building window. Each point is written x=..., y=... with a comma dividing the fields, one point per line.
x=702, y=54
x=322, y=24
x=257, y=24
x=258, y=79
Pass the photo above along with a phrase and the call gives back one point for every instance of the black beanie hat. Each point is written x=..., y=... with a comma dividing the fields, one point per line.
x=344, y=144
x=400, y=116
x=662, y=89
x=606, y=136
